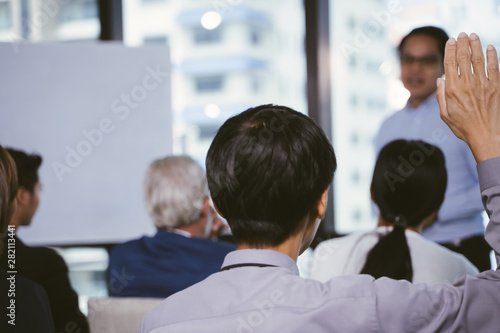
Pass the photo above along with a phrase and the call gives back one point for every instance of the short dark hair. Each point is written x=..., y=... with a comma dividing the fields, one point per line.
x=266, y=168
x=434, y=32
x=408, y=185
x=27, y=168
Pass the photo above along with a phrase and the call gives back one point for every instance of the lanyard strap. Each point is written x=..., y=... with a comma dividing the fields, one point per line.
x=226, y=268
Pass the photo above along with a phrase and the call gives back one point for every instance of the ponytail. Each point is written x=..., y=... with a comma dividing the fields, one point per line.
x=391, y=255
x=405, y=202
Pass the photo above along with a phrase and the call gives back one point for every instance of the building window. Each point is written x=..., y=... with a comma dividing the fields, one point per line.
x=209, y=84
x=208, y=131
x=160, y=39
x=79, y=10
x=5, y=16
x=204, y=36
x=255, y=36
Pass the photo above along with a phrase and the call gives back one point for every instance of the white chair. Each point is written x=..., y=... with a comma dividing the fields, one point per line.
x=118, y=314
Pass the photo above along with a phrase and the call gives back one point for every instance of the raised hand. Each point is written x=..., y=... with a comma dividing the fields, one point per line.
x=469, y=99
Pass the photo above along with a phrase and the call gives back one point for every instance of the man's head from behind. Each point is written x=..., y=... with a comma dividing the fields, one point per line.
x=267, y=168
x=421, y=53
x=175, y=191
x=29, y=186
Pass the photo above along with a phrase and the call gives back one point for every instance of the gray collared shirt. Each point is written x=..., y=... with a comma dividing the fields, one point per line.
x=274, y=298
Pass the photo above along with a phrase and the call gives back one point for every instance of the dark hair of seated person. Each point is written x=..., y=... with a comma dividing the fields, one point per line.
x=273, y=150
x=27, y=168
x=408, y=186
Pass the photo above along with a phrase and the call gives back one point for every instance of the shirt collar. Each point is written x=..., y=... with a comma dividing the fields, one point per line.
x=176, y=231
x=431, y=100
x=266, y=257
x=386, y=229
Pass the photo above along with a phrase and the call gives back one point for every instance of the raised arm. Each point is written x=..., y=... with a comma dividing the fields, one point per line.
x=469, y=100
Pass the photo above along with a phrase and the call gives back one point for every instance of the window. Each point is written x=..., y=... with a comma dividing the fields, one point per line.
x=155, y=40
x=5, y=15
x=204, y=36
x=79, y=10
x=209, y=84
x=208, y=131
x=255, y=36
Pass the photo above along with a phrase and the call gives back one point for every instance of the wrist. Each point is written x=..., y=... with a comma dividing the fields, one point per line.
x=485, y=147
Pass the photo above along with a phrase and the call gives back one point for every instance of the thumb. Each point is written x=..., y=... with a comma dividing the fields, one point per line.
x=441, y=98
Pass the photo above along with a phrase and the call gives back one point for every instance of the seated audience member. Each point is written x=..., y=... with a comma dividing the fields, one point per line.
x=183, y=251
x=41, y=264
x=25, y=305
x=407, y=204
x=269, y=169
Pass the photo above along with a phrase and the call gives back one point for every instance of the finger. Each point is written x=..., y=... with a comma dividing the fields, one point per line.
x=492, y=67
x=463, y=55
x=477, y=57
x=441, y=98
x=450, y=61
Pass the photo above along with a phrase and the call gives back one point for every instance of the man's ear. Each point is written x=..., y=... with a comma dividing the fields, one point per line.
x=206, y=206
x=23, y=196
x=322, y=204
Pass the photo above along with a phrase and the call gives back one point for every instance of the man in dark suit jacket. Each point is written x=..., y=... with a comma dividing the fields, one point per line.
x=41, y=264
x=183, y=251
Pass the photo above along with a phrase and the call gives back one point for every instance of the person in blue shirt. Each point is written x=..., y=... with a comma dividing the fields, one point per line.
x=460, y=224
x=183, y=251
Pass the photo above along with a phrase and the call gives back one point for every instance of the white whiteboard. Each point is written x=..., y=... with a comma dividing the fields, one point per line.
x=55, y=99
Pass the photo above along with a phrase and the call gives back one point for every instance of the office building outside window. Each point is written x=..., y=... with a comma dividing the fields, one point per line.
x=226, y=57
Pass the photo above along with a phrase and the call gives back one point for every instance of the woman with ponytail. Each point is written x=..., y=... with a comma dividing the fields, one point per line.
x=408, y=186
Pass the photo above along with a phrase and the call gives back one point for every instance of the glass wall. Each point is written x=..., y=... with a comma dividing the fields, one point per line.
x=365, y=81
x=42, y=20
x=226, y=56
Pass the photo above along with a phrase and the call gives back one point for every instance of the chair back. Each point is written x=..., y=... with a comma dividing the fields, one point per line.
x=118, y=314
